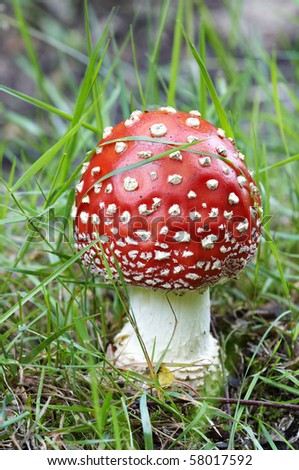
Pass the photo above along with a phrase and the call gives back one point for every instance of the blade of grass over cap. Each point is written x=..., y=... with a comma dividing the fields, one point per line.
x=224, y=122
x=132, y=166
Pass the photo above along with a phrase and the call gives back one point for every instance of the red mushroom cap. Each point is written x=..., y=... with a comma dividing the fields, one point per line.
x=187, y=220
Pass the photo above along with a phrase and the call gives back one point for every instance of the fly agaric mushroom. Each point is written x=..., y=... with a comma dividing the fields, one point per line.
x=174, y=226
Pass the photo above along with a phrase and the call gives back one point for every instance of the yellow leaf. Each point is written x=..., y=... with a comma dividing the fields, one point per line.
x=165, y=376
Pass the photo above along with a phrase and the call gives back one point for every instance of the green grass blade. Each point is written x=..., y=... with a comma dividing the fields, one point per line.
x=286, y=161
x=193, y=424
x=176, y=55
x=45, y=106
x=15, y=419
x=92, y=70
x=224, y=122
x=96, y=89
x=139, y=84
x=86, y=87
x=46, y=158
x=146, y=423
x=151, y=89
x=226, y=60
x=43, y=284
x=275, y=253
x=116, y=427
x=29, y=46
x=128, y=422
x=34, y=353
x=277, y=103
x=203, y=101
x=287, y=388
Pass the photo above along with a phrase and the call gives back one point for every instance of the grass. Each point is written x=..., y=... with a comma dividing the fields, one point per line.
x=57, y=387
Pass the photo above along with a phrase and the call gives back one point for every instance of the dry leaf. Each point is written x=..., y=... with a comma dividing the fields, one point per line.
x=165, y=376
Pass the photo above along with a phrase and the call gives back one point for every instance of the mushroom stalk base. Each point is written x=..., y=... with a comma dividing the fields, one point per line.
x=175, y=329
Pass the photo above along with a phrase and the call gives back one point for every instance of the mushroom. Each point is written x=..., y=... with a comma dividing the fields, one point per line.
x=171, y=227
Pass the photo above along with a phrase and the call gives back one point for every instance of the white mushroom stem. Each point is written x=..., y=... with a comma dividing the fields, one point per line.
x=175, y=329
